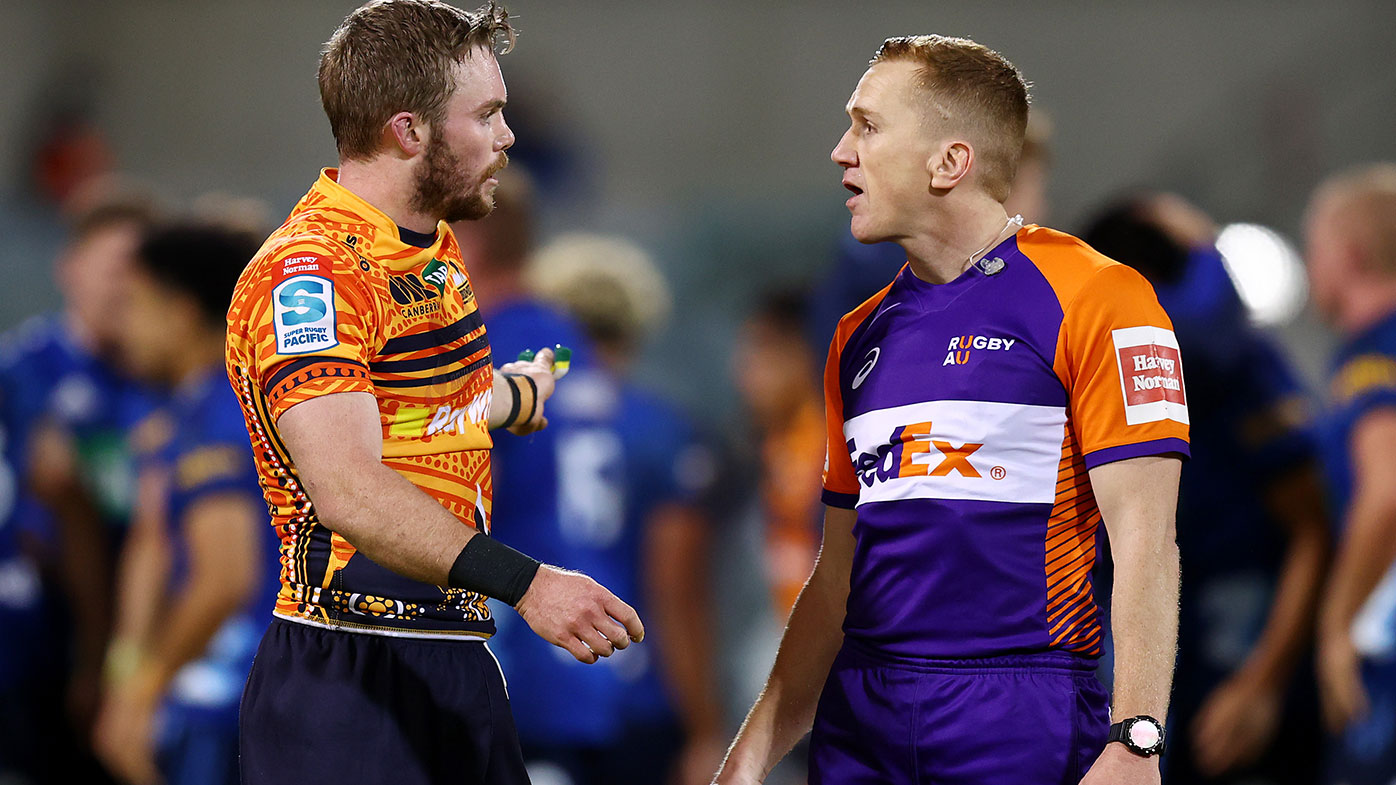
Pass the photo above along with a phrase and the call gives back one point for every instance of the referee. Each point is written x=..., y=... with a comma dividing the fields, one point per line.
x=363, y=368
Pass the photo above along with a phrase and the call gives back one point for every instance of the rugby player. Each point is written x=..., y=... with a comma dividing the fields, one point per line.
x=1351, y=255
x=986, y=410
x=364, y=371
x=1252, y=528
x=199, y=569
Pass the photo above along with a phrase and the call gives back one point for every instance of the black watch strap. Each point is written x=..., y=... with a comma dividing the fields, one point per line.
x=1123, y=733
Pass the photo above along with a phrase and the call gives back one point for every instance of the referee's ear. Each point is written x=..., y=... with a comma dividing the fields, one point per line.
x=406, y=135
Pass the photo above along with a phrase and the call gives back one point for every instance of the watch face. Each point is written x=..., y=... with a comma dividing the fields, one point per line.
x=1144, y=734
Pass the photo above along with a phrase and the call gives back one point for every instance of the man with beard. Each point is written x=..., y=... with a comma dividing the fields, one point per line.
x=358, y=353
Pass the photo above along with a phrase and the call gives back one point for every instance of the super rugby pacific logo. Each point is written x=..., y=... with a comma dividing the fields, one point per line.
x=303, y=315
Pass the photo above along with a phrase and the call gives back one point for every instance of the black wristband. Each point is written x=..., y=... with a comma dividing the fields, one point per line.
x=514, y=407
x=533, y=405
x=493, y=569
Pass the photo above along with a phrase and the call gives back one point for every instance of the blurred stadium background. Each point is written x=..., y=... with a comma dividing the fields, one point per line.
x=701, y=131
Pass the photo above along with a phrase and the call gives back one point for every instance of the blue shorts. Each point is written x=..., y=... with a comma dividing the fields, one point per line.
x=327, y=707
x=1021, y=720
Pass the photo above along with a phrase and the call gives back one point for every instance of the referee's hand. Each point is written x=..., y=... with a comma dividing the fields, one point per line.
x=570, y=610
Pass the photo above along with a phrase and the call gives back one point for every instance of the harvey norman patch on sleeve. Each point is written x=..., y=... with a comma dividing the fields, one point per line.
x=1151, y=375
x=304, y=315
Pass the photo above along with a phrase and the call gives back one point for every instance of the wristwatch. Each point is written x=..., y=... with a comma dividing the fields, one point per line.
x=1142, y=735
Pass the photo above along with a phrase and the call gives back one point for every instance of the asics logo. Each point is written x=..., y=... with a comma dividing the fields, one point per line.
x=867, y=367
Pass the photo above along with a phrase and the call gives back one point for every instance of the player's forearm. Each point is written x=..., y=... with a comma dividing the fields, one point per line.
x=204, y=604
x=784, y=712
x=142, y=576
x=678, y=579
x=1291, y=621
x=513, y=400
x=389, y=520
x=1144, y=611
x=1365, y=554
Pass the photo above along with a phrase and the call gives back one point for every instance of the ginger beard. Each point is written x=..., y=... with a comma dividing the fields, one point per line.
x=439, y=190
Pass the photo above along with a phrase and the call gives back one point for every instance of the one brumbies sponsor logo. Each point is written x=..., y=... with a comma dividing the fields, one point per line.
x=303, y=314
x=1151, y=375
x=957, y=449
x=419, y=295
x=962, y=347
x=446, y=418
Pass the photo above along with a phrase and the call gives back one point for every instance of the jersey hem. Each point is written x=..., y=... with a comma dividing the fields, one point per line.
x=350, y=627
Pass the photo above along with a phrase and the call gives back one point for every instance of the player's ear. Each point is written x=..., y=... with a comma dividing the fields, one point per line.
x=950, y=164
x=407, y=134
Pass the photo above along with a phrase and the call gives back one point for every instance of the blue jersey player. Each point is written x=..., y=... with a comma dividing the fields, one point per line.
x=65, y=411
x=611, y=486
x=1351, y=255
x=199, y=574
x=1252, y=530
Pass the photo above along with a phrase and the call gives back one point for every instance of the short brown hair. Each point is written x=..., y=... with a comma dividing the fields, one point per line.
x=977, y=91
x=392, y=56
x=1364, y=200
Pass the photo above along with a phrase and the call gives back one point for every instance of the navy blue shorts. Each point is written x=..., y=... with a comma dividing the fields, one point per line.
x=326, y=707
x=1019, y=720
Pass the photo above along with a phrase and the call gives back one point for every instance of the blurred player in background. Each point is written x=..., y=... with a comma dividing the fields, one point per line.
x=859, y=270
x=66, y=410
x=612, y=487
x=199, y=571
x=777, y=375
x=1008, y=391
x=1351, y=254
x=1252, y=528
x=365, y=375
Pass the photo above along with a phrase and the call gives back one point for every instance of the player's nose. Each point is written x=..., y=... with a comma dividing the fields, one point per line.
x=505, y=140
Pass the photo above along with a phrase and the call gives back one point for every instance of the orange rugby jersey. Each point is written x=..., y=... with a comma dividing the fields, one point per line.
x=335, y=301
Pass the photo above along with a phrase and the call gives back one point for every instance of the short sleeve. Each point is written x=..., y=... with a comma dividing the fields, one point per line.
x=686, y=467
x=1120, y=362
x=315, y=331
x=840, y=483
x=1365, y=382
x=212, y=467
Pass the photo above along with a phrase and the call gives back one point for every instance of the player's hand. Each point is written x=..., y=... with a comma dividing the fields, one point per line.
x=541, y=369
x=1236, y=723
x=1341, y=692
x=124, y=734
x=572, y=611
x=1118, y=766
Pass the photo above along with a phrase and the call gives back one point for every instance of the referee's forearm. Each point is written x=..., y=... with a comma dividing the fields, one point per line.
x=784, y=712
x=1144, y=622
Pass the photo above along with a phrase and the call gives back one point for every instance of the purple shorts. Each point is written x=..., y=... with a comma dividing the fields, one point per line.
x=1037, y=719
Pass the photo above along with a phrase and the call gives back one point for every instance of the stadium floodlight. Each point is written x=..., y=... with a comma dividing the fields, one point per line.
x=1266, y=270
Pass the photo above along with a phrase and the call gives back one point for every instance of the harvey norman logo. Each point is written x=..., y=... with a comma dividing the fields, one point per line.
x=1151, y=375
x=977, y=450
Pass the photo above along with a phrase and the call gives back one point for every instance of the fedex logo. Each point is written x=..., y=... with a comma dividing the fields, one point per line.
x=901, y=456
x=954, y=449
x=1151, y=375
